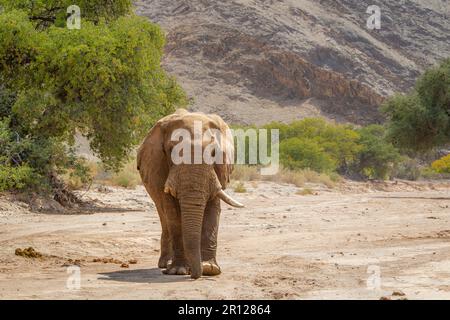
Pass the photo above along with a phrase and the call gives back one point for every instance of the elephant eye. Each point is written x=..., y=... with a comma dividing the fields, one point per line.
x=167, y=149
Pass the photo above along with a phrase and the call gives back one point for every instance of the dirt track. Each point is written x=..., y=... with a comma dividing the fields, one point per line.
x=281, y=246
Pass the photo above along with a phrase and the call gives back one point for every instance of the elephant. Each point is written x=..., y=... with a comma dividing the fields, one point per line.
x=186, y=195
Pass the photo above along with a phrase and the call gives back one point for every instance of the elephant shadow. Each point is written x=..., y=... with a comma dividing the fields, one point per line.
x=152, y=275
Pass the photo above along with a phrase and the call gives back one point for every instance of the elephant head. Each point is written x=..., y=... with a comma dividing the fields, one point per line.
x=190, y=185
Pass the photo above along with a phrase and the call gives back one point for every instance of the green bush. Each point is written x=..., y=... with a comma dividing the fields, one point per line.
x=442, y=165
x=301, y=153
x=377, y=157
x=34, y=161
x=323, y=146
x=15, y=178
x=338, y=142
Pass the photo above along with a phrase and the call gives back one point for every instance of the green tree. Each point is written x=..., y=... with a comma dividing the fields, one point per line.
x=103, y=80
x=420, y=120
x=46, y=13
x=377, y=157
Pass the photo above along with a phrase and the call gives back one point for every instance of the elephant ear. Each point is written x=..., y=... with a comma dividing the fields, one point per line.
x=151, y=159
x=224, y=170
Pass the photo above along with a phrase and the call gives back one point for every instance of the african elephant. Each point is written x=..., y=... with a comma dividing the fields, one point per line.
x=187, y=196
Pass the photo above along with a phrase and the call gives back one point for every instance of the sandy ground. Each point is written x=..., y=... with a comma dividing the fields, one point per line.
x=355, y=242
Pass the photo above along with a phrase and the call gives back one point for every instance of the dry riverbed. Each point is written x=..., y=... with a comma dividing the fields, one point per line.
x=362, y=241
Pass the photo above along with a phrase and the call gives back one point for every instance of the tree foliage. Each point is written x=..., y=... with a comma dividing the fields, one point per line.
x=298, y=153
x=103, y=81
x=420, y=120
x=46, y=13
x=377, y=157
x=337, y=143
x=327, y=147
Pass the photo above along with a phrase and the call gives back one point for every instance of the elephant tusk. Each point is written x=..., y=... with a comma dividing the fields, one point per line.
x=226, y=198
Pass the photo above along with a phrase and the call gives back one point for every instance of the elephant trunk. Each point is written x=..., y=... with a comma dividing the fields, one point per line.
x=192, y=219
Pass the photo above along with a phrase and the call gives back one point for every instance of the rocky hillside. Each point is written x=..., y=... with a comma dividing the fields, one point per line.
x=254, y=61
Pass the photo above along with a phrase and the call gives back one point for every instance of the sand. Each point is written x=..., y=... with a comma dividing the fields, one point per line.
x=352, y=242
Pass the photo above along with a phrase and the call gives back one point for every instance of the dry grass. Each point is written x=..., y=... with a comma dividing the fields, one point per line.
x=75, y=183
x=240, y=188
x=245, y=173
x=296, y=177
x=305, y=192
x=320, y=178
x=128, y=177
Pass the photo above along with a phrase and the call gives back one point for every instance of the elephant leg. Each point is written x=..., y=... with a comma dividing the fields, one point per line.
x=166, y=243
x=210, y=230
x=179, y=265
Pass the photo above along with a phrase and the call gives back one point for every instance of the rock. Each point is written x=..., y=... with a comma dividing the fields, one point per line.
x=38, y=204
x=250, y=53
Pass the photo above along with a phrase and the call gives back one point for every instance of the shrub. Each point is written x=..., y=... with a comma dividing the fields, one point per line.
x=377, y=158
x=80, y=176
x=442, y=165
x=339, y=142
x=41, y=159
x=407, y=168
x=325, y=147
x=298, y=153
x=15, y=178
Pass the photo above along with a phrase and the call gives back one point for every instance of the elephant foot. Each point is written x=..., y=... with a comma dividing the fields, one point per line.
x=210, y=268
x=177, y=269
x=164, y=261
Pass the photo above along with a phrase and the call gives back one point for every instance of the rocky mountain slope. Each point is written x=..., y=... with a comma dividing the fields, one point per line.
x=255, y=61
